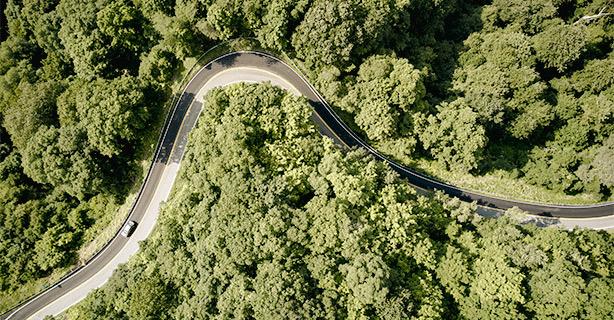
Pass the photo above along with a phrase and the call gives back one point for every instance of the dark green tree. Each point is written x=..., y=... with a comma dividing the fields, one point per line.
x=560, y=45
x=454, y=137
x=114, y=113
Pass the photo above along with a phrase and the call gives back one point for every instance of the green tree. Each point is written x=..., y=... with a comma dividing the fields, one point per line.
x=519, y=15
x=499, y=81
x=52, y=248
x=366, y=277
x=328, y=34
x=114, y=113
x=62, y=158
x=225, y=19
x=34, y=107
x=282, y=293
x=12, y=51
x=57, y=64
x=386, y=92
x=560, y=45
x=85, y=44
x=603, y=164
x=101, y=37
x=124, y=25
x=46, y=32
x=148, y=299
x=453, y=272
x=600, y=295
x=557, y=291
x=180, y=32
x=277, y=20
x=454, y=136
x=595, y=77
x=23, y=16
x=159, y=65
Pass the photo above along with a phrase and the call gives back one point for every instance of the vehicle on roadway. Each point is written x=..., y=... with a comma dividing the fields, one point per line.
x=129, y=228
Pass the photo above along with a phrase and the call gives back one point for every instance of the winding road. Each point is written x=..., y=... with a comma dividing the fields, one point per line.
x=257, y=67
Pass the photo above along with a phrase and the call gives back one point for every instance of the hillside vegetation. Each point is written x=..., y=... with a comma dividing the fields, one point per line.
x=508, y=90
x=79, y=106
x=268, y=220
x=515, y=93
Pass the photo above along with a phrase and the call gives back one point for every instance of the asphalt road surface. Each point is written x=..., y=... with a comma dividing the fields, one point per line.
x=257, y=67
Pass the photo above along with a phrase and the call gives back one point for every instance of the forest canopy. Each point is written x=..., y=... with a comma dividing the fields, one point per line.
x=525, y=85
x=269, y=220
x=77, y=115
x=515, y=92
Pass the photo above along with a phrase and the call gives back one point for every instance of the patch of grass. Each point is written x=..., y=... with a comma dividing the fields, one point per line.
x=498, y=183
x=105, y=228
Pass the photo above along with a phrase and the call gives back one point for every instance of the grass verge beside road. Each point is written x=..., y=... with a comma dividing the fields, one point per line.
x=498, y=184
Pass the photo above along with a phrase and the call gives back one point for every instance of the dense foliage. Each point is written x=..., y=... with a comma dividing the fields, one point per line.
x=515, y=87
x=76, y=109
x=268, y=220
x=541, y=84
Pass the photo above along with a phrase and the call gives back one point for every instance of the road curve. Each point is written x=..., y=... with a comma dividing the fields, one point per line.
x=256, y=67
